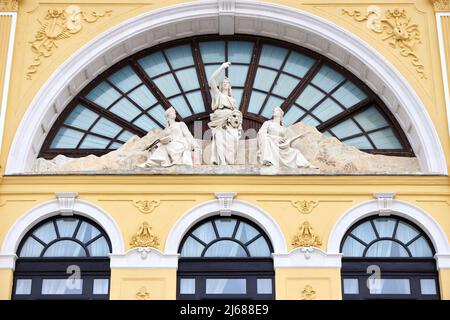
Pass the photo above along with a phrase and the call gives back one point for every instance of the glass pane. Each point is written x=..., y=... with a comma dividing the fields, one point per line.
x=389, y=286
x=66, y=139
x=327, y=78
x=205, y=232
x=99, y=248
x=188, y=79
x=259, y=248
x=405, y=232
x=264, y=286
x=359, y=142
x=351, y=286
x=87, y=232
x=353, y=248
x=125, y=109
x=209, y=71
x=196, y=101
x=385, y=139
x=154, y=64
x=94, y=142
x=62, y=286
x=420, y=248
x=225, y=248
x=180, y=56
x=115, y=145
x=192, y=248
x=327, y=110
x=46, y=232
x=385, y=227
x=245, y=232
x=65, y=248
x=167, y=85
x=309, y=97
x=240, y=51
x=143, y=97
x=106, y=128
x=370, y=119
x=81, y=117
x=225, y=227
x=365, y=232
x=272, y=56
x=125, y=136
x=101, y=286
x=349, y=94
x=427, y=286
x=187, y=286
x=66, y=227
x=345, y=129
x=157, y=113
x=212, y=51
x=310, y=121
x=386, y=248
x=285, y=85
x=125, y=79
x=238, y=75
x=226, y=286
x=31, y=248
x=298, y=64
x=103, y=95
x=238, y=96
x=23, y=286
x=264, y=79
x=181, y=106
x=256, y=101
x=293, y=114
x=145, y=123
x=271, y=104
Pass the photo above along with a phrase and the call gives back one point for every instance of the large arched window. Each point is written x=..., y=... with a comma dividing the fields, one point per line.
x=63, y=258
x=388, y=258
x=225, y=258
x=130, y=98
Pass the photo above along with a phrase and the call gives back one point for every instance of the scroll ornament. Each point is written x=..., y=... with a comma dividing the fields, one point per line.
x=441, y=5
x=305, y=206
x=396, y=27
x=308, y=293
x=9, y=5
x=144, y=237
x=142, y=294
x=58, y=25
x=306, y=237
x=146, y=206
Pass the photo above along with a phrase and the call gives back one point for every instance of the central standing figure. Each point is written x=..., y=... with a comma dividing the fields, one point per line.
x=226, y=121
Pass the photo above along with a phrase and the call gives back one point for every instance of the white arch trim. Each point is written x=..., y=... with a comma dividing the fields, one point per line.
x=400, y=208
x=226, y=17
x=239, y=208
x=49, y=209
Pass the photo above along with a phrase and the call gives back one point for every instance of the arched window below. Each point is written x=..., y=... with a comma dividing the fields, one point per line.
x=63, y=258
x=225, y=258
x=388, y=258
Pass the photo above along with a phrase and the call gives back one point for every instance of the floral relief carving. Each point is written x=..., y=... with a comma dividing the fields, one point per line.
x=146, y=206
x=441, y=5
x=58, y=25
x=308, y=293
x=9, y=5
x=305, y=206
x=306, y=237
x=396, y=27
x=144, y=237
x=142, y=294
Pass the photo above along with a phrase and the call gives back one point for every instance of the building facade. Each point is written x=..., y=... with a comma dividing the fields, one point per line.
x=86, y=89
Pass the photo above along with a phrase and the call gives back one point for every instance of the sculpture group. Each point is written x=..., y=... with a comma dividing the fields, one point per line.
x=177, y=146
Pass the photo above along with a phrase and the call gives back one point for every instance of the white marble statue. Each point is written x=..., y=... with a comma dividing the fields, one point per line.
x=275, y=147
x=226, y=121
x=174, y=146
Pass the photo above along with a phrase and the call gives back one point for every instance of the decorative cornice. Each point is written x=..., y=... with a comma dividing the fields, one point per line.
x=58, y=25
x=143, y=294
x=9, y=5
x=306, y=237
x=144, y=237
x=305, y=206
x=441, y=5
x=396, y=27
x=146, y=206
x=308, y=293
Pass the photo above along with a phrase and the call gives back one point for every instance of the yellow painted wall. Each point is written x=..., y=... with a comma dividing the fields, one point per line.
x=5, y=27
x=6, y=281
x=444, y=280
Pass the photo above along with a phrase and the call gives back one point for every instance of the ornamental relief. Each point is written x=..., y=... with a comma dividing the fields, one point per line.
x=146, y=206
x=441, y=5
x=9, y=5
x=56, y=26
x=144, y=237
x=306, y=237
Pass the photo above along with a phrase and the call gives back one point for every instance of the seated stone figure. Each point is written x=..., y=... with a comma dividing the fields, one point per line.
x=174, y=146
x=275, y=147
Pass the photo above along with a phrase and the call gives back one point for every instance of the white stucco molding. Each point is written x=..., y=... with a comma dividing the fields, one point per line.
x=144, y=258
x=400, y=208
x=239, y=208
x=8, y=261
x=250, y=17
x=51, y=208
x=307, y=258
